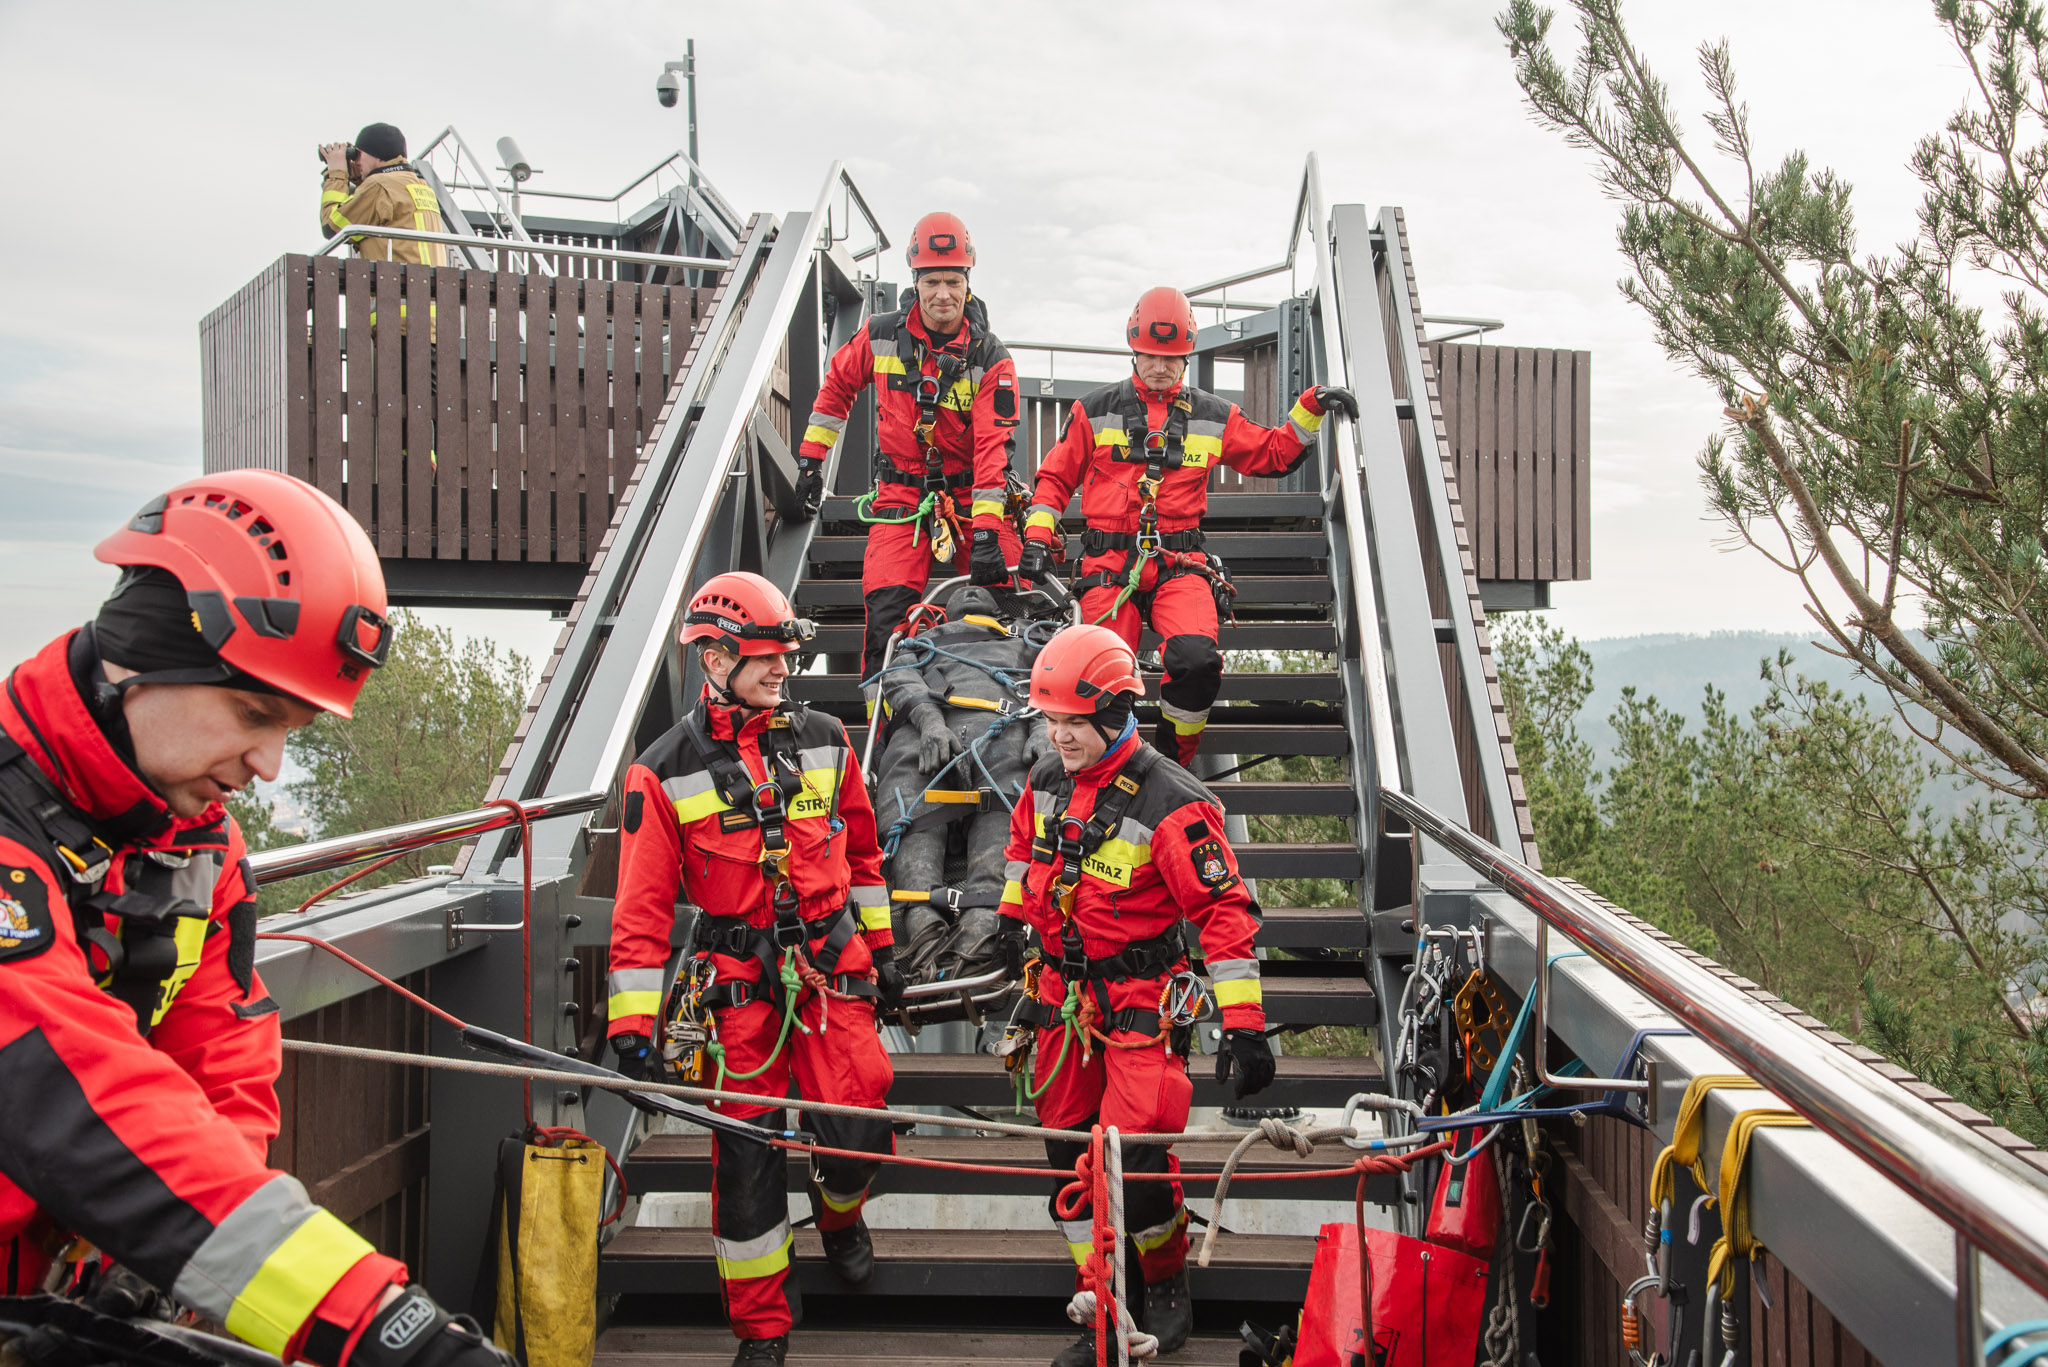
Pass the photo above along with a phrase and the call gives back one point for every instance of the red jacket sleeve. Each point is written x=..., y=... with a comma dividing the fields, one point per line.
x=1058, y=476
x=992, y=424
x=1255, y=450
x=128, y=1150
x=644, y=912
x=1200, y=871
x=870, y=891
x=225, y=1040
x=853, y=366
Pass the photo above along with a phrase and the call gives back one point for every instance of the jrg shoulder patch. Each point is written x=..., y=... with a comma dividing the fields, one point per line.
x=1211, y=867
x=26, y=929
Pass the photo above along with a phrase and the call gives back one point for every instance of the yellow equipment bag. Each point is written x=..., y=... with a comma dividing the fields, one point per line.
x=542, y=1253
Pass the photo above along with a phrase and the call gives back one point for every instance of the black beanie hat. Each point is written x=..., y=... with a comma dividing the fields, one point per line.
x=382, y=141
x=1113, y=716
x=149, y=626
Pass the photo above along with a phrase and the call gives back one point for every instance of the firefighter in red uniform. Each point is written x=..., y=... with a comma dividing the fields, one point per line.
x=1141, y=451
x=138, y=1049
x=946, y=403
x=755, y=808
x=1111, y=847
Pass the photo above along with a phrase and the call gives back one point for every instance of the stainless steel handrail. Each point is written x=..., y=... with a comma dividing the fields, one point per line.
x=521, y=246
x=1080, y=347
x=320, y=856
x=1984, y=1193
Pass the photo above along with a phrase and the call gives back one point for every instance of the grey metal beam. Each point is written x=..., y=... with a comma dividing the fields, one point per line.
x=1443, y=548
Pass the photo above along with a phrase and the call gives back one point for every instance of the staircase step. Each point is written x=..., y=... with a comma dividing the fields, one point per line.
x=678, y=1345
x=952, y=1262
x=1286, y=799
x=846, y=552
x=1247, y=740
x=1316, y=590
x=682, y=1162
x=1312, y=928
x=978, y=1080
x=841, y=638
x=1237, y=688
x=1223, y=508
x=1277, y=859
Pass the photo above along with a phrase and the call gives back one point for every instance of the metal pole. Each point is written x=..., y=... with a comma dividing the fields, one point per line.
x=689, y=225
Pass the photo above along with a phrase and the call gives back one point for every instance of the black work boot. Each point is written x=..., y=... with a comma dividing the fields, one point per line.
x=851, y=1251
x=762, y=1352
x=1170, y=1311
x=1081, y=1352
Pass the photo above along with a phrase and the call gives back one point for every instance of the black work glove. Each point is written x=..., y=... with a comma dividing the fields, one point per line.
x=985, y=562
x=937, y=746
x=1032, y=561
x=889, y=979
x=1331, y=399
x=413, y=1331
x=125, y=1295
x=636, y=1056
x=1010, y=944
x=1252, y=1055
x=810, y=485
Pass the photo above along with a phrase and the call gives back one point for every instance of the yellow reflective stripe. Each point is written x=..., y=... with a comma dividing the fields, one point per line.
x=624, y=1004
x=697, y=806
x=961, y=398
x=822, y=436
x=773, y=1261
x=888, y=365
x=1080, y=1252
x=842, y=1204
x=989, y=506
x=190, y=938
x=815, y=799
x=1040, y=517
x=1013, y=891
x=1150, y=1240
x=874, y=918
x=294, y=1280
x=1237, y=992
x=1199, y=452
x=1184, y=727
x=1112, y=436
x=1300, y=417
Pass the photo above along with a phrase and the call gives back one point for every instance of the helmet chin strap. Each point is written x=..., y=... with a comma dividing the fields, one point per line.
x=724, y=691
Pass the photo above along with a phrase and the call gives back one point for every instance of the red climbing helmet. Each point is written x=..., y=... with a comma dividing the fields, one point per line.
x=940, y=242
x=746, y=615
x=283, y=583
x=1081, y=670
x=1162, y=323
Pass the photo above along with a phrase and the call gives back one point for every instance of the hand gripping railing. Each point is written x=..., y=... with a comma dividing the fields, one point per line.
x=1988, y=1197
x=523, y=247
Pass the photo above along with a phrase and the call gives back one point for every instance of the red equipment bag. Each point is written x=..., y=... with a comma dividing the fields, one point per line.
x=1466, y=1214
x=1428, y=1303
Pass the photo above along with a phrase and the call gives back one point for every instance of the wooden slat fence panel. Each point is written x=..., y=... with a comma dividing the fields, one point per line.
x=457, y=414
x=1519, y=421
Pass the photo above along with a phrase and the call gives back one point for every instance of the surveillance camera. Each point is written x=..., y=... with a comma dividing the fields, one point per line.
x=514, y=161
x=666, y=88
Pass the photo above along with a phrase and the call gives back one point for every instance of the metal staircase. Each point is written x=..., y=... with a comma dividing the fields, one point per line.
x=1369, y=566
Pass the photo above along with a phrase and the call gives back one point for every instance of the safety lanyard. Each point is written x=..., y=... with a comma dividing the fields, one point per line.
x=1161, y=450
x=930, y=391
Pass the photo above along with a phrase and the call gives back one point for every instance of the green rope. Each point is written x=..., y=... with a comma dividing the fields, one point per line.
x=1025, y=1091
x=1123, y=595
x=863, y=508
x=792, y=983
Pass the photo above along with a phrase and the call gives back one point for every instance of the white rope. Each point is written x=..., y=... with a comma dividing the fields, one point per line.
x=1131, y=1342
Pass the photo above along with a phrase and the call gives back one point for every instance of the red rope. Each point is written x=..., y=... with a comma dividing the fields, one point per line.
x=359, y=966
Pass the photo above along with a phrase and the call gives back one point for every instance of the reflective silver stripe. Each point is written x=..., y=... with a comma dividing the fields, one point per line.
x=744, y=1250
x=1043, y=802
x=240, y=1244
x=994, y=495
x=1232, y=970
x=194, y=881
x=870, y=895
x=1134, y=831
x=1149, y=1239
x=633, y=980
x=1047, y=509
x=1205, y=429
x=1107, y=422
x=1015, y=870
x=688, y=786
x=1076, y=1231
x=1301, y=434
x=827, y=421
x=1167, y=709
x=822, y=757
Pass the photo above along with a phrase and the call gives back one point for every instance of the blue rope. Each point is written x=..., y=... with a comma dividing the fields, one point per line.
x=893, y=837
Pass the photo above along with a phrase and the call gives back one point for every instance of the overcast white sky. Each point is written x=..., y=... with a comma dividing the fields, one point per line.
x=161, y=155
